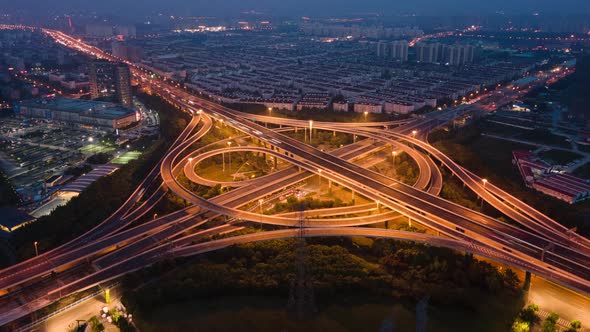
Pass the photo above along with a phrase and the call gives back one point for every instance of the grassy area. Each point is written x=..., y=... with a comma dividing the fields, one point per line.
x=543, y=136
x=95, y=148
x=539, y=136
x=126, y=157
x=559, y=157
x=248, y=164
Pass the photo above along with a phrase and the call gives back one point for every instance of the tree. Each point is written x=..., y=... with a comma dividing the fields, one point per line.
x=576, y=324
x=529, y=314
x=511, y=279
x=550, y=324
x=520, y=326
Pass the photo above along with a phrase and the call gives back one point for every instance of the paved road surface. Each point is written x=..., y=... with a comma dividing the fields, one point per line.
x=83, y=311
x=552, y=297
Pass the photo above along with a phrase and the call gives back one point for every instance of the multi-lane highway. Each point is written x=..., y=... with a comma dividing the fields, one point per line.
x=542, y=246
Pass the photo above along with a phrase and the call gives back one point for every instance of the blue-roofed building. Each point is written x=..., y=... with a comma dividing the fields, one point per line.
x=525, y=81
x=79, y=112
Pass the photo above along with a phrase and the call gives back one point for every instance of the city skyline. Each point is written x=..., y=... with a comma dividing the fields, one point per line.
x=325, y=8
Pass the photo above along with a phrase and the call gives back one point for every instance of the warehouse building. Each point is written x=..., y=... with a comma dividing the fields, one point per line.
x=79, y=112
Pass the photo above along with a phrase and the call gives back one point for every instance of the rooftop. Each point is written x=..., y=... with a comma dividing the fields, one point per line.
x=13, y=218
x=97, y=109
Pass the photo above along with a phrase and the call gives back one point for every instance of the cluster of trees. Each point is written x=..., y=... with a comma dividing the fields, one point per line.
x=526, y=318
x=331, y=139
x=400, y=269
x=8, y=196
x=550, y=323
x=78, y=170
x=453, y=190
x=95, y=324
x=406, y=168
x=102, y=197
x=100, y=158
x=308, y=203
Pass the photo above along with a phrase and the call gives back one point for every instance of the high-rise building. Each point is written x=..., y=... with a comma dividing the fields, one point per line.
x=99, y=30
x=428, y=52
x=126, y=31
x=382, y=48
x=101, y=77
x=126, y=51
x=455, y=55
x=399, y=50
x=108, y=79
x=458, y=54
x=123, y=84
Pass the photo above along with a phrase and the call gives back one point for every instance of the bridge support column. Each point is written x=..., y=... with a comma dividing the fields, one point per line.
x=527, y=281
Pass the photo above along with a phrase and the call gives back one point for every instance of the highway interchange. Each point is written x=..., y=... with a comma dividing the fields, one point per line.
x=118, y=245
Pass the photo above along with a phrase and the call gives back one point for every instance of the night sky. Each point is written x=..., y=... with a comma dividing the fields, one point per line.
x=307, y=7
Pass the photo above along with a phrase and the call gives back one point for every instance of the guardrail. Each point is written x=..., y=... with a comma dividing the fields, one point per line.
x=28, y=326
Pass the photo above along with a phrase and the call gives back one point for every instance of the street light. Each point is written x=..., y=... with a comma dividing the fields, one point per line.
x=393, y=155
x=484, y=186
x=269, y=110
x=414, y=132
x=91, y=139
x=229, y=154
x=36, y=249
x=310, y=130
x=319, y=180
x=366, y=113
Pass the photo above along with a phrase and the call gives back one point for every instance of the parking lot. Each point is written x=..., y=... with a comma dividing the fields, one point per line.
x=34, y=150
